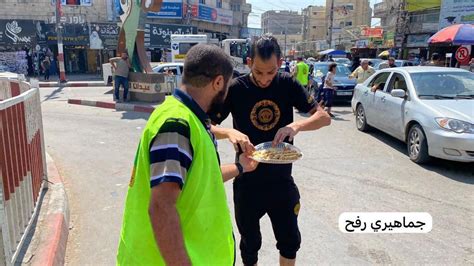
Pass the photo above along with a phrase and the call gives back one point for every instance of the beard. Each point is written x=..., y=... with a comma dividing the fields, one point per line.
x=217, y=102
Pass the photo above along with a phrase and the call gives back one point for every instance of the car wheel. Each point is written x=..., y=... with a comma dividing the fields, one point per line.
x=361, y=120
x=417, y=145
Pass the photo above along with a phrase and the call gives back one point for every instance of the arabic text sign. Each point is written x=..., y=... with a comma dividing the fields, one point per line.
x=169, y=9
x=158, y=35
x=456, y=12
x=17, y=32
x=215, y=15
x=385, y=222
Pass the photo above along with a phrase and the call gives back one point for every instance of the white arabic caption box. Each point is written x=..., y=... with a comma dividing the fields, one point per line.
x=385, y=222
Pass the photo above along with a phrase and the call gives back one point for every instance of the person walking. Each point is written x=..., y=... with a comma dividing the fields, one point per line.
x=176, y=209
x=121, y=66
x=363, y=72
x=261, y=104
x=46, y=65
x=329, y=88
x=302, y=72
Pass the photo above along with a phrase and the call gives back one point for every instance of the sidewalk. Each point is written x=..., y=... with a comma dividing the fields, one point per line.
x=102, y=97
x=73, y=80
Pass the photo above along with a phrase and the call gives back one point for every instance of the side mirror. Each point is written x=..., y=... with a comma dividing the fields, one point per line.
x=398, y=93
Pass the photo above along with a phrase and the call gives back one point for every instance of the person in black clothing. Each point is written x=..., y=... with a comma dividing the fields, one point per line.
x=261, y=104
x=355, y=63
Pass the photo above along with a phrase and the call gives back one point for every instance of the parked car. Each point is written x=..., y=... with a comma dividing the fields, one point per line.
x=343, y=61
x=429, y=108
x=345, y=85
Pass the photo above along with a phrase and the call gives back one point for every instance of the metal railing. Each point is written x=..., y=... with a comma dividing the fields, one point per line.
x=22, y=163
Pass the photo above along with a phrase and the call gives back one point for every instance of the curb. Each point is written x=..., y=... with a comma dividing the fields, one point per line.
x=56, y=230
x=73, y=84
x=112, y=105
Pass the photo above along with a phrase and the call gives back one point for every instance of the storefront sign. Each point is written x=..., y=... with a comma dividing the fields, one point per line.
x=171, y=9
x=72, y=34
x=69, y=19
x=158, y=36
x=362, y=43
x=372, y=32
x=74, y=2
x=456, y=12
x=104, y=36
x=418, y=40
x=211, y=14
x=17, y=32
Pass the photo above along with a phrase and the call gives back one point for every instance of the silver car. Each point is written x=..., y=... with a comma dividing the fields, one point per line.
x=429, y=108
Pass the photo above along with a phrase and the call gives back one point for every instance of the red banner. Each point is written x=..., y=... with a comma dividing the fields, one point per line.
x=372, y=32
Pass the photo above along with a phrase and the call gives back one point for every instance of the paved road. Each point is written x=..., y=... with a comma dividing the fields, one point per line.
x=343, y=170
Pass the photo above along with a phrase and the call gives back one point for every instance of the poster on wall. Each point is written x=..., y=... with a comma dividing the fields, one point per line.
x=104, y=36
x=456, y=12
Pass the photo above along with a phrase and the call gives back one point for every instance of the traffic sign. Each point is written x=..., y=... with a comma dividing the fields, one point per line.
x=462, y=54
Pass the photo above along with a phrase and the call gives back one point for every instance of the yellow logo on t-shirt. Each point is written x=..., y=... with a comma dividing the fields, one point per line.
x=265, y=115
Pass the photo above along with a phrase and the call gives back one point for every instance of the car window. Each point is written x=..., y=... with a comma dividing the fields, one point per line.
x=397, y=82
x=432, y=84
x=379, y=80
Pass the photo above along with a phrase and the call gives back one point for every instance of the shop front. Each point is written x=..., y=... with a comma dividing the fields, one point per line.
x=417, y=46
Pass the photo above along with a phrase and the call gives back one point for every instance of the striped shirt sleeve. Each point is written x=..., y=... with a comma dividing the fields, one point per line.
x=171, y=153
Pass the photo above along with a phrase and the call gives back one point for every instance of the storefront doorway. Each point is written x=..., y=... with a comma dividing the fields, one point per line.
x=75, y=59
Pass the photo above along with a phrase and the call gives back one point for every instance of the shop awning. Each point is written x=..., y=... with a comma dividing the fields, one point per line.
x=332, y=52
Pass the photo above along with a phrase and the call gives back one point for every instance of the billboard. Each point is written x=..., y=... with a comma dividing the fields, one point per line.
x=158, y=35
x=418, y=5
x=372, y=32
x=211, y=14
x=170, y=9
x=17, y=32
x=456, y=12
x=74, y=2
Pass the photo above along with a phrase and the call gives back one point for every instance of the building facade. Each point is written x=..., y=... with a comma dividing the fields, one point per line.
x=347, y=14
x=281, y=22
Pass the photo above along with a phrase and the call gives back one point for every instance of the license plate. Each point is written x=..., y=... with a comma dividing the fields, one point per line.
x=344, y=93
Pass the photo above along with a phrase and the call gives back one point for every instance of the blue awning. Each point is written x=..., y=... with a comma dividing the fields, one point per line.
x=332, y=52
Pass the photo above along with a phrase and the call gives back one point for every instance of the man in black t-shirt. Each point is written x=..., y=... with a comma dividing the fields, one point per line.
x=262, y=104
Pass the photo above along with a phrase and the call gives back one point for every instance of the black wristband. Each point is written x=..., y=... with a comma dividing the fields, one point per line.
x=240, y=168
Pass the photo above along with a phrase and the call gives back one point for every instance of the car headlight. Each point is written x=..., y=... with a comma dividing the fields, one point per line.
x=455, y=125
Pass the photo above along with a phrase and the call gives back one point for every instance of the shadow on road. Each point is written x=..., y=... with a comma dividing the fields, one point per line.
x=53, y=94
x=461, y=172
x=130, y=115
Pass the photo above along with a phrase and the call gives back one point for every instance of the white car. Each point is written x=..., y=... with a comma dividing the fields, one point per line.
x=175, y=80
x=429, y=108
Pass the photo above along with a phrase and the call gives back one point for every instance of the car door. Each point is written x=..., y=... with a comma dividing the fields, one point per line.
x=393, y=108
x=373, y=107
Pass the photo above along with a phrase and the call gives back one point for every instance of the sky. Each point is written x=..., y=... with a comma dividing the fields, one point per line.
x=260, y=6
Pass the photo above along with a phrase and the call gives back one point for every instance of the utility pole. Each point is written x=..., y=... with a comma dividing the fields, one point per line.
x=331, y=23
x=62, y=71
x=401, y=27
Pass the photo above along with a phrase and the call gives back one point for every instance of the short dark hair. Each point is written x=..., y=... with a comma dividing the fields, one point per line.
x=435, y=57
x=204, y=63
x=265, y=46
x=332, y=66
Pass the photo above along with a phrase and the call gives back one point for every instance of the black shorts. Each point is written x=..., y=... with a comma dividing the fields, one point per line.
x=279, y=199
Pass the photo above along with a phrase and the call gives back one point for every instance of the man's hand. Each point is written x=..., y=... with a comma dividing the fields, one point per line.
x=289, y=131
x=247, y=163
x=239, y=139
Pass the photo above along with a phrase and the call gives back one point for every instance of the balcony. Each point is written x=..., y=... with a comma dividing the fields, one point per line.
x=246, y=8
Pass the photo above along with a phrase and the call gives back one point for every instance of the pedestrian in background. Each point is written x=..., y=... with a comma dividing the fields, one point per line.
x=301, y=72
x=121, y=66
x=363, y=72
x=355, y=63
x=176, y=209
x=46, y=65
x=329, y=87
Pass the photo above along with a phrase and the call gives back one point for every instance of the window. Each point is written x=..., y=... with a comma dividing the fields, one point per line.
x=184, y=47
x=235, y=7
x=397, y=83
x=348, y=23
x=349, y=7
x=202, y=2
x=315, y=13
x=219, y=3
x=379, y=80
x=314, y=27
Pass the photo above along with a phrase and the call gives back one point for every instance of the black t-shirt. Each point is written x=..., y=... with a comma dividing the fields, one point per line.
x=261, y=112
